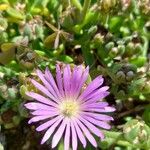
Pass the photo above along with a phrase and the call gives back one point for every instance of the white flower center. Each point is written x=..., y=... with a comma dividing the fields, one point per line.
x=69, y=108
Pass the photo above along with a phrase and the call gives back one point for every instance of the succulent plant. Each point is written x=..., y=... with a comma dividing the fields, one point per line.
x=112, y=37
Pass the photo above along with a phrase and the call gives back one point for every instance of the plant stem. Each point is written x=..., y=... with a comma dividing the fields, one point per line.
x=77, y=4
x=86, y=6
x=134, y=110
x=145, y=46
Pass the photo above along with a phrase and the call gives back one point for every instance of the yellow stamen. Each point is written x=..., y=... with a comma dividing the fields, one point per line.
x=69, y=108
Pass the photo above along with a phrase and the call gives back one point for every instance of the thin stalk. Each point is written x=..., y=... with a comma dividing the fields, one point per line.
x=86, y=6
x=145, y=46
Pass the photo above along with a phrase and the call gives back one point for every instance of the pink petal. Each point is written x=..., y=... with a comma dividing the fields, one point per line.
x=92, y=128
x=41, y=98
x=98, y=116
x=67, y=137
x=97, y=94
x=94, y=105
x=44, y=90
x=87, y=133
x=83, y=80
x=45, y=113
x=50, y=131
x=52, y=82
x=101, y=124
x=59, y=80
x=38, y=106
x=75, y=80
x=48, y=123
x=57, y=136
x=97, y=82
x=95, y=99
x=38, y=118
x=66, y=79
x=47, y=85
x=74, y=137
x=80, y=134
x=105, y=109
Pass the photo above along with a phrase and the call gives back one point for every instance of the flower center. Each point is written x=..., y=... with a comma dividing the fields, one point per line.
x=69, y=108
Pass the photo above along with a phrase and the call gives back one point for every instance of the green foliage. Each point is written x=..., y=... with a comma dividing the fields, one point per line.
x=110, y=36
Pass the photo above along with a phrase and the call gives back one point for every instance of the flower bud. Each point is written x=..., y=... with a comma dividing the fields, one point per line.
x=98, y=38
x=130, y=49
x=130, y=75
x=92, y=30
x=120, y=76
x=138, y=48
x=109, y=46
x=121, y=49
x=125, y=30
x=113, y=52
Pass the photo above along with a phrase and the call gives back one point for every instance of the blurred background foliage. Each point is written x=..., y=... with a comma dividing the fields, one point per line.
x=111, y=36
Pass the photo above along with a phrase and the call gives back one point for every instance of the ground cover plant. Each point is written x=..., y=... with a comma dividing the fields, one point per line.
x=107, y=42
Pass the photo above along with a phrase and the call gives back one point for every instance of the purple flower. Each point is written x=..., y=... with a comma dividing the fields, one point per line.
x=69, y=107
